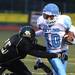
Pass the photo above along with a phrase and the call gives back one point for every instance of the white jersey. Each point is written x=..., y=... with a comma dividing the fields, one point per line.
x=54, y=33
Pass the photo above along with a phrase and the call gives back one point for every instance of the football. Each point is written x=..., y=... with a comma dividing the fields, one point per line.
x=69, y=36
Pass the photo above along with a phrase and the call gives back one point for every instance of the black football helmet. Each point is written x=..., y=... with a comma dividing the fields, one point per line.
x=27, y=31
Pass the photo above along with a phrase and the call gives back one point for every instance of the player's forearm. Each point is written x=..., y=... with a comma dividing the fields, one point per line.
x=42, y=54
x=39, y=47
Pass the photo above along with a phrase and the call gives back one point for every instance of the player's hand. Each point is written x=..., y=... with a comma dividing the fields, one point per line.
x=69, y=36
x=59, y=55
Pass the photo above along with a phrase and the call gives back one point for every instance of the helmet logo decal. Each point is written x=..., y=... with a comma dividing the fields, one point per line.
x=27, y=34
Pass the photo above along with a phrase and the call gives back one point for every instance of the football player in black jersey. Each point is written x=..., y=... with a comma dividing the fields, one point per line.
x=17, y=47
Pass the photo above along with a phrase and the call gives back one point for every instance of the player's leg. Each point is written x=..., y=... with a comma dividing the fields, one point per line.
x=2, y=69
x=39, y=64
x=18, y=68
x=65, y=60
x=58, y=66
x=38, y=61
x=46, y=69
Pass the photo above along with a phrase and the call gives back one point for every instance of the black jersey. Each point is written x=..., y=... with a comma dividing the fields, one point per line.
x=18, y=47
x=15, y=47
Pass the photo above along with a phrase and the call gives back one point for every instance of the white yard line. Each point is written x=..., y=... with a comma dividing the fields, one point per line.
x=71, y=63
x=45, y=74
x=71, y=73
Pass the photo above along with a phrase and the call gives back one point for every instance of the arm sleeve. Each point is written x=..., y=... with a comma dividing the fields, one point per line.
x=39, y=26
x=42, y=54
x=39, y=33
x=64, y=20
x=40, y=51
x=72, y=29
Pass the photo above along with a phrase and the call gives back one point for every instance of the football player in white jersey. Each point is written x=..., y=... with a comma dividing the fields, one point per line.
x=53, y=27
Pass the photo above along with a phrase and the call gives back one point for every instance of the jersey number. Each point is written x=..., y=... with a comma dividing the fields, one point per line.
x=55, y=39
x=7, y=43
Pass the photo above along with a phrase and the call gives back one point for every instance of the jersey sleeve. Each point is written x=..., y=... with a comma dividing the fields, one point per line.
x=40, y=22
x=72, y=29
x=40, y=26
x=65, y=21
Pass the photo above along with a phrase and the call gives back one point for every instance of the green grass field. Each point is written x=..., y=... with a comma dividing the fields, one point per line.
x=30, y=60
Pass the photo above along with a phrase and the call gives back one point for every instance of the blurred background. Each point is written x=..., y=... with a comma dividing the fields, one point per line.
x=14, y=13
x=17, y=13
